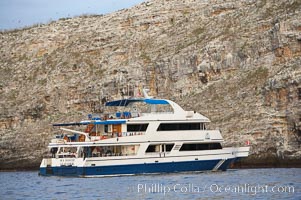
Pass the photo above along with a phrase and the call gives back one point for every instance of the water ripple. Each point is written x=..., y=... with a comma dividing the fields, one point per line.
x=233, y=184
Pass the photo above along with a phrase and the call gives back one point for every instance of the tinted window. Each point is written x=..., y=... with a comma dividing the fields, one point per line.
x=180, y=126
x=156, y=147
x=200, y=146
x=169, y=147
x=136, y=127
x=151, y=148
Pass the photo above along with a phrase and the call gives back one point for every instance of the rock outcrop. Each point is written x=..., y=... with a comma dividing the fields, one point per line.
x=237, y=62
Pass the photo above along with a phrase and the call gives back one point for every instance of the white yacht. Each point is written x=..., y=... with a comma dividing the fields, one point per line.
x=148, y=136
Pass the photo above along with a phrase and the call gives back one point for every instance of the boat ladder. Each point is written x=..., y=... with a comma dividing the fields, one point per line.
x=218, y=165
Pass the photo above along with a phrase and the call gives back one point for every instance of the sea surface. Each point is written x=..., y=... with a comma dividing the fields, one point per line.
x=280, y=183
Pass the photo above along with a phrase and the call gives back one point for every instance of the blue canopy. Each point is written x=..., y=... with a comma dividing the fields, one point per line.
x=120, y=121
x=126, y=102
x=156, y=101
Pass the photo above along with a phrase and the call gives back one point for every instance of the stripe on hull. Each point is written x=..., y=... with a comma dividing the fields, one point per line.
x=134, y=168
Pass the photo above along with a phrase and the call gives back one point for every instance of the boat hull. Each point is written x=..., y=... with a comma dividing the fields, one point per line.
x=136, y=169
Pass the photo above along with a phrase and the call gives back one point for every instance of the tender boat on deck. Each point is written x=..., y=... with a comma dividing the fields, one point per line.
x=148, y=136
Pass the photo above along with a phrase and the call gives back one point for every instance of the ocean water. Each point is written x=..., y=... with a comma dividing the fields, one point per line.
x=282, y=183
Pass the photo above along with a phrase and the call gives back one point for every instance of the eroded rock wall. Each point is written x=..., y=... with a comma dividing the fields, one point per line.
x=237, y=62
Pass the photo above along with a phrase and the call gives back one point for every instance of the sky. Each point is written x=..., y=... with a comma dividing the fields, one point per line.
x=22, y=13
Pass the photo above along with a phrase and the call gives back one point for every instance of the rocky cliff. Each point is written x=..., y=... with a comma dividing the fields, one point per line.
x=237, y=62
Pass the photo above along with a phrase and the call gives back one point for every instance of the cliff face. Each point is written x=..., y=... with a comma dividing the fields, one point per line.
x=237, y=62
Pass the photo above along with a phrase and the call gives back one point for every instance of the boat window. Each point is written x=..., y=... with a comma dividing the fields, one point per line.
x=156, y=148
x=179, y=126
x=153, y=148
x=203, y=127
x=106, y=128
x=169, y=147
x=200, y=146
x=66, y=152
x=107, y=151
x=136, y=127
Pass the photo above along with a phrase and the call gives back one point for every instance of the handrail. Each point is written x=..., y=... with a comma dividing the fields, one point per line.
x=79, y=132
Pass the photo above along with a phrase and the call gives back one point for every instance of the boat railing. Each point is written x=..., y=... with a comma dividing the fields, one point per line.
x=120, y=115
x=49, y=156
x=125, y=134
x=56, y=140
x=67, y=155
x=129, y=115
x=98, y=137
x=116, y=135
x=160, y=154
x=98, y=154
x=159, y=113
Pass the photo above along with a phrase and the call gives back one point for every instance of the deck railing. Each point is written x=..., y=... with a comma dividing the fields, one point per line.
x=116, y=135
x=100, y=137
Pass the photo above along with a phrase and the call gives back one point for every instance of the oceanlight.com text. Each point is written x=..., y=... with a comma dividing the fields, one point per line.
x=214, y=188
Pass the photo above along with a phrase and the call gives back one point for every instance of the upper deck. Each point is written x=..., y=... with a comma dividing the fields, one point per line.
x=129, y=117
x=151, y=109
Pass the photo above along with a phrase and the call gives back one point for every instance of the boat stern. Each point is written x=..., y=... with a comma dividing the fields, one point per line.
x=45, y=167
